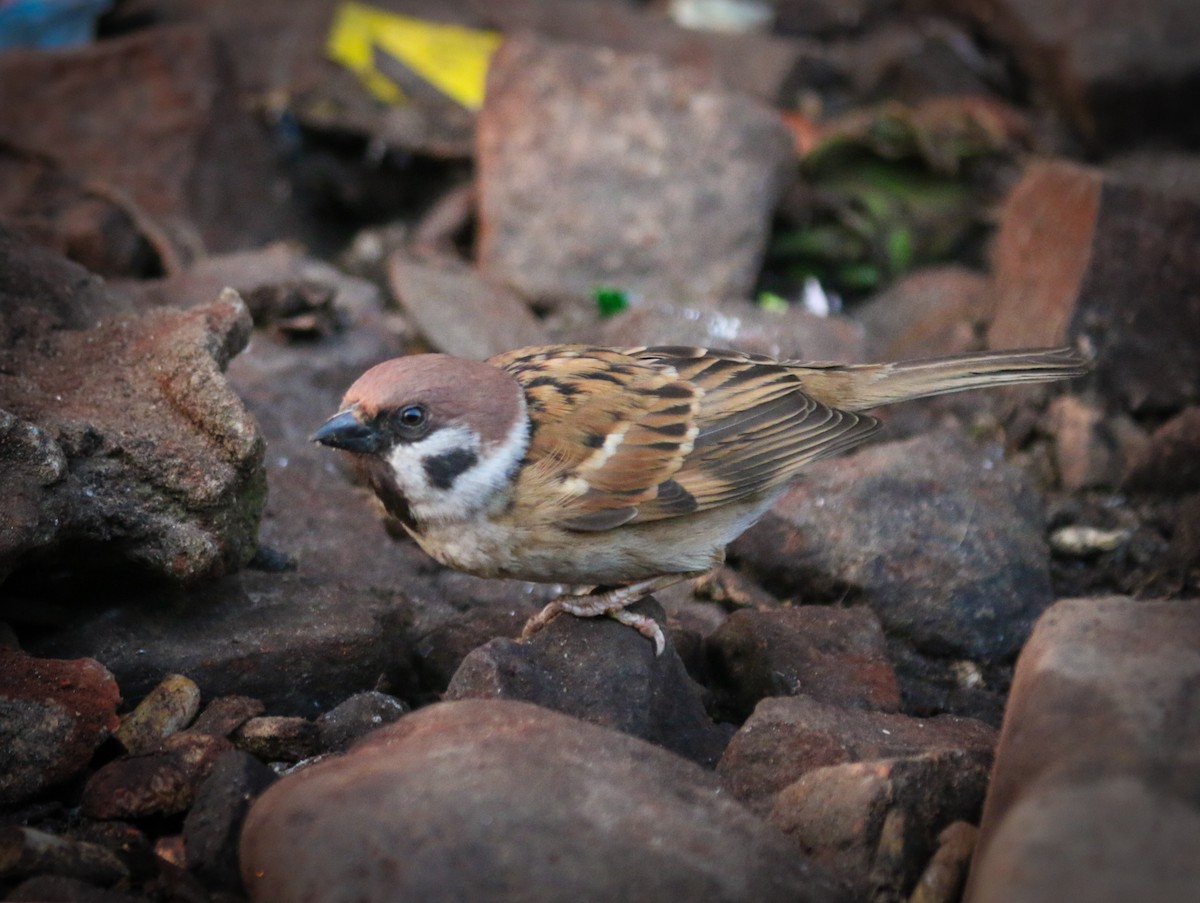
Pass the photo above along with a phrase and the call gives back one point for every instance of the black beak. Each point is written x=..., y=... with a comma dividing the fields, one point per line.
x=347, y=432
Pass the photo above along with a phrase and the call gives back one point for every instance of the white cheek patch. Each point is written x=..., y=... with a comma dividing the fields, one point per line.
x=447, y=476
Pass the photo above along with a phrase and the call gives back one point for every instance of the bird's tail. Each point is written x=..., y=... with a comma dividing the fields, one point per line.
x=859, y=387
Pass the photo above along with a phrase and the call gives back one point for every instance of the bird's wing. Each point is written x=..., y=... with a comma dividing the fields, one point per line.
x=756, y=426
x=650, y=433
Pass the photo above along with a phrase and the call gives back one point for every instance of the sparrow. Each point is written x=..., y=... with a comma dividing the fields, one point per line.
x=622, y=469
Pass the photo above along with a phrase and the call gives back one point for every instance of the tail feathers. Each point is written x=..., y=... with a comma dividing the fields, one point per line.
x=871, y=385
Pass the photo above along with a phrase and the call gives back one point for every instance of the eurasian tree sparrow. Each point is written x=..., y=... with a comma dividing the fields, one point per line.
x=624, y=469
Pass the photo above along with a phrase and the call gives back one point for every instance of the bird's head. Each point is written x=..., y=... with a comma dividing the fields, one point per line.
x=437, y=436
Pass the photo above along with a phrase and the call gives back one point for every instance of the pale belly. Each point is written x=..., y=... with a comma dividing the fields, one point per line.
x=604, y=558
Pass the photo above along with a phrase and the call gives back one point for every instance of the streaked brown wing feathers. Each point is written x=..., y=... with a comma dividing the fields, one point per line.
x=686, y=429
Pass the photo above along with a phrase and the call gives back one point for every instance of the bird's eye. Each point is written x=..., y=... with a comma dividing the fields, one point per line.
x=412, y=420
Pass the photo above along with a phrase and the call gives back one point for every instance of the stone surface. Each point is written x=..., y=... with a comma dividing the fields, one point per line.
x=150, y=458
x=944, y=877
x=1098, y=764
x=26, y=851
x=225, y=714
x=763, y=65
x=833, y=655
x=941, y=537
x=213, y=825
x=794, y=333
x=53, y=716
x=356, y=717
x=653, y=180
x=161, y=782
x=1090, y=449
x=1170, y=461
x=1082, y=256
x=787, y=737
x=499, y=800
x=457, y=311
x=875, y=824
x=168, y=708
x=1117, y=75
x=278, y=738
x=929, y=312
x=602, y=672
x=203, y=172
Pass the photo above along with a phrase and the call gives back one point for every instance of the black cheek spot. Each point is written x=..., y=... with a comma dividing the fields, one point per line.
x=593, y=439
x=442, y=470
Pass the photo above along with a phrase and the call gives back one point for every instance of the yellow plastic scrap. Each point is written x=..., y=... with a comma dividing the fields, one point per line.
x=452, y=58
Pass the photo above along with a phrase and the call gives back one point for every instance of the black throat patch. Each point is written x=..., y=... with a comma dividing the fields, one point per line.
x=445, y=468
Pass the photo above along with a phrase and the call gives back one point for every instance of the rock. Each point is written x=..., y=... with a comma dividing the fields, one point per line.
x=1091, y=450
x=928, y=312
x=256, y=274
x=43, y=888
x=794, y=333
x=1117, y=77
x=833, y=655
x=356, y=717
x=161, y=782
x=653, y=180
x=168, y=708
x=53, y=716
x=63, y=294
x=499, y=800
x=213, y=825
x=787, y=737
x=602, y=672
x=765, y=66
x=1082, y=256
x=944, y=878
x=203, y=172
x=26, y=851
x=163, y=462
x=226, y=714
x=279, y=738
x=940, y=537
x=459, y=312
x=875, y=824
x=1170, y=461
x=1098, y=764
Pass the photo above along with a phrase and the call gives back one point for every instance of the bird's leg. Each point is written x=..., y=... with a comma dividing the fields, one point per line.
x=611, y=602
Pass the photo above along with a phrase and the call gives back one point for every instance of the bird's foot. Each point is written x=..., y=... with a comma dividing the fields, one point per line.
x=613, y=603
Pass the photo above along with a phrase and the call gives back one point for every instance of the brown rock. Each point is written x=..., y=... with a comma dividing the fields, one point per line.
x=499, y=800
x=1116, y=75
x=1170, y=461
x=832, y=655
x=150, y=116
x=1090, y=449
x=875, y=824
x=794, y=333
x=656, y=181
x=788, y=737
x=279, y=738
x=1098, y=763
x=214, y=823
x=54, y=716
x=41, y=888
x=940, y=537
x=162, y=782
x=27, y=851
x=459, y=312
x=226, y=714
x=944, y=878
x=765, y=66
x=602, y=672
x=1082, y=256
x=929, y=312
x=168, y=708
x=163, y=462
